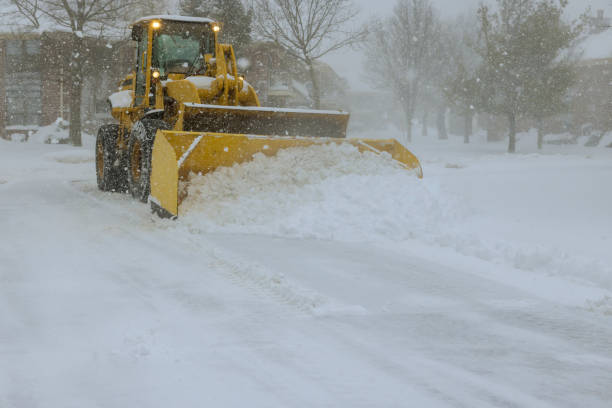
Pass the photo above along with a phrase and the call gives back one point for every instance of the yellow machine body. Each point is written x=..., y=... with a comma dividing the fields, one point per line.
x=214, y=115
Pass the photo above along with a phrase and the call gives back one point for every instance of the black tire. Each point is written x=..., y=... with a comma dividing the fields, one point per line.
x=111, y=171
x=140, y=147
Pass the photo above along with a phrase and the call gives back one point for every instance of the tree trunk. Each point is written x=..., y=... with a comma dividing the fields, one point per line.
x=540, y=134
x=468, y=127
x=316, y=93
x=408, y=115
x=408, y=110
x=512, y=138
x=408, y=128
x=76, y=89
x=424, y=128
x=492, y=131
x=441, y=123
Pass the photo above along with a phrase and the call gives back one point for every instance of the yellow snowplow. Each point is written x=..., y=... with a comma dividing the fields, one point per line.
x=185, y=109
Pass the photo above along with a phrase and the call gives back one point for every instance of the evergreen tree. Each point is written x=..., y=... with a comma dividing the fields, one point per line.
x=462, y=87
x=234, y=18
x=524, y=47
x=194, y=8
x=463, y=92
x=553, y=74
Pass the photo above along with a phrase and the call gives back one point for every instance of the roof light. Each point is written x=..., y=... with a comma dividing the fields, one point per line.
x=156, y=25
x=216, y=28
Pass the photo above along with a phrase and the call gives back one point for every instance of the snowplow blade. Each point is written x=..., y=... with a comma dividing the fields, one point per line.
x=256, y=120
x=178, y=154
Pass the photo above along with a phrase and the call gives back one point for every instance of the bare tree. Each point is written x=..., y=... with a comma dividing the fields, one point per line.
x=403, y=50
x=308, y=29
x=81, y=17
x=30, y=9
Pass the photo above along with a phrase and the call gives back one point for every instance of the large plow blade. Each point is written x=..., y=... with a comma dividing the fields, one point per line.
x=255, y=120
x=178, y=154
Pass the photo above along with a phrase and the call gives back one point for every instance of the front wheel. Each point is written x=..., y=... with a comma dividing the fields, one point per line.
x=140, y=147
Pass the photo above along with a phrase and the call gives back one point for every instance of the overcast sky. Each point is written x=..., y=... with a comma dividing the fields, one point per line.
x=349, y=63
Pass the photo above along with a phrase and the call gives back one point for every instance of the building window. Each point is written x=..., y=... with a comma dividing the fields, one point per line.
x=13, y=47
x=22, y=79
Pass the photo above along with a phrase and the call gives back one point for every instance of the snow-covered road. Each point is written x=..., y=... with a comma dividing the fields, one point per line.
x=104, y=305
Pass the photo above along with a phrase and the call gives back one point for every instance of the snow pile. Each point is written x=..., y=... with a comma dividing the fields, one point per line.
x=205, y=82
x=56, y=132
x=201, y=82
x=121, y=99
x=77, y=156
x=326, y=191
x=606, y=140
x=546, y=259
x=602, y=305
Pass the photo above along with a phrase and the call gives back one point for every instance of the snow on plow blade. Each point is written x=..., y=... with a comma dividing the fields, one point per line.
x=178, y=154
x=255, y=120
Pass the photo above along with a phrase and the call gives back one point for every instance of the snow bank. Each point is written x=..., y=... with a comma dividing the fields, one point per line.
x=546, y=259
x=337, y=193
x=56, y=132
x=326, y=192
x=76, y=156
x=606, y=140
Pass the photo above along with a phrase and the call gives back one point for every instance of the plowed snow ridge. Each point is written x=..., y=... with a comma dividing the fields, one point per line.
x=335, y=192
x=327, y=192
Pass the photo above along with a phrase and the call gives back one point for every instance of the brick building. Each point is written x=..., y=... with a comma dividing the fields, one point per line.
x=591, y=106
x=35, y=79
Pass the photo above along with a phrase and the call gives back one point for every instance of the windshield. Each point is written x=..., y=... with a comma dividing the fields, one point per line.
x=179, y=47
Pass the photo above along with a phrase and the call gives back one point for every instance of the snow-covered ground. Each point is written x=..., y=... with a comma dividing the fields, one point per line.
x=316, y=278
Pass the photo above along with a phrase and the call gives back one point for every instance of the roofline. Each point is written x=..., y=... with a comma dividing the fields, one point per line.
x=595, y=61
x=186, y=19
x=21, y=35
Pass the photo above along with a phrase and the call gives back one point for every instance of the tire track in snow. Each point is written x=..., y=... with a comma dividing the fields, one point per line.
x=266, y=283
x=257, y=279
x=452, y=384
